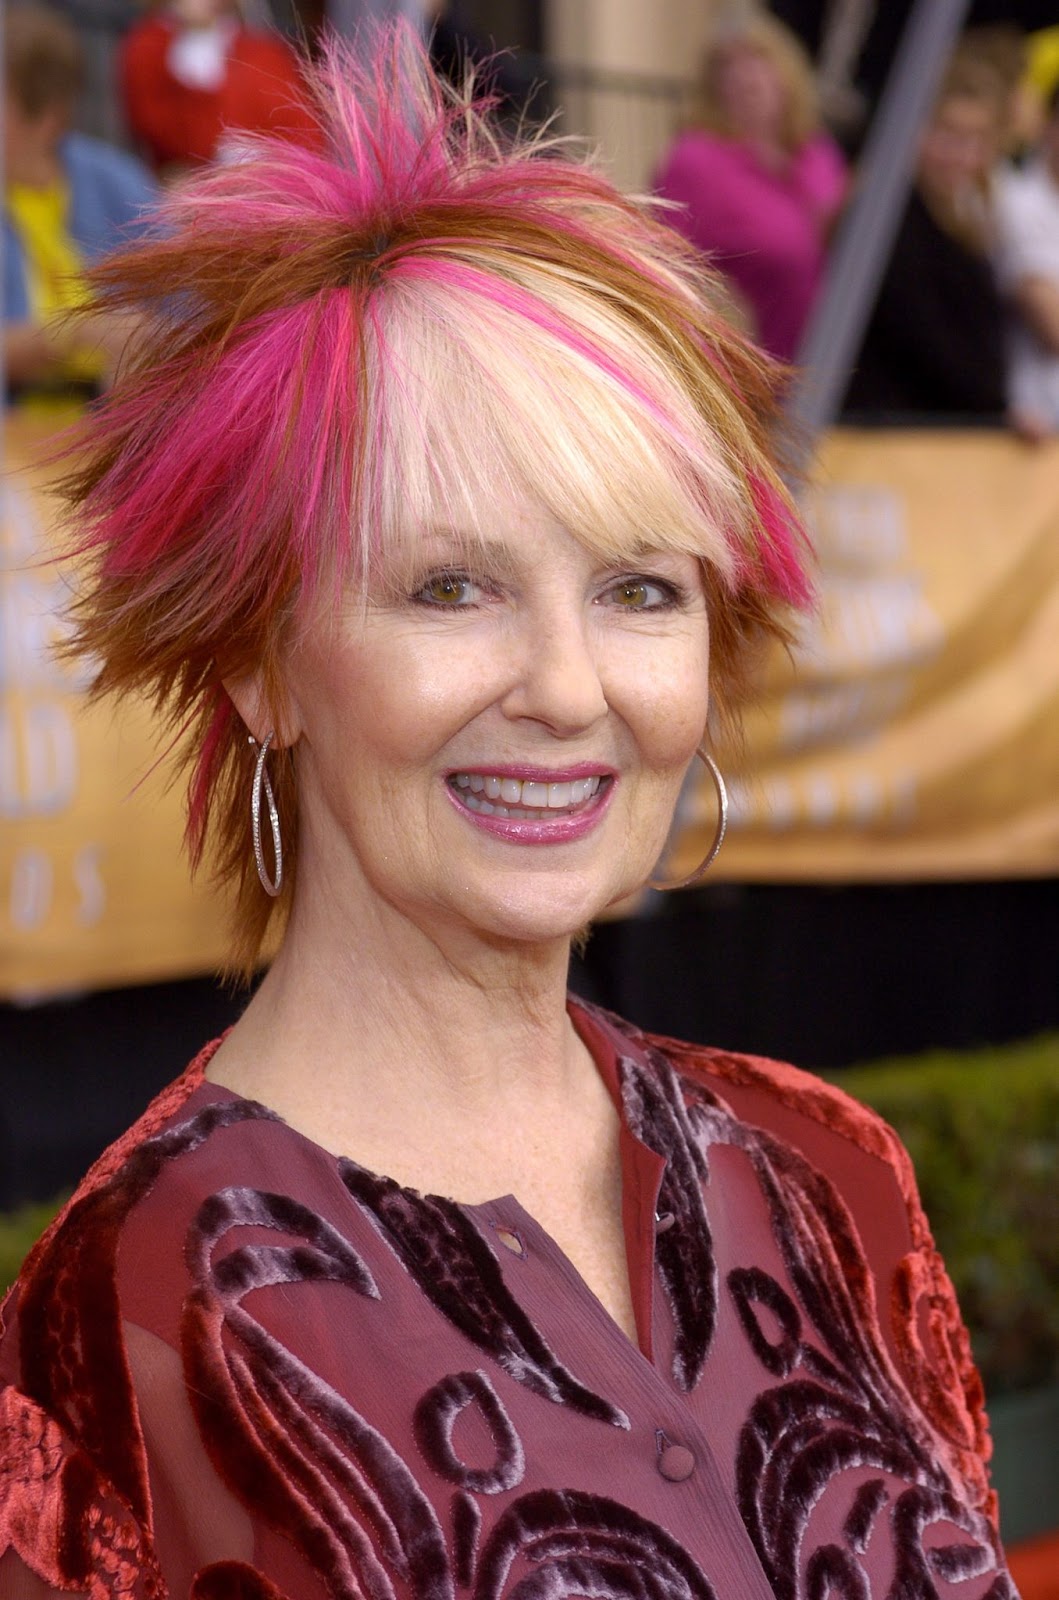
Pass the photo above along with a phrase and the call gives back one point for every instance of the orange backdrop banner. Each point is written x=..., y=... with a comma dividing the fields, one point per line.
x=915, y=733
x=94, y=886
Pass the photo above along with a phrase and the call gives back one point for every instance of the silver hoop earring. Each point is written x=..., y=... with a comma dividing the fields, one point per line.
x=718, y=839
x=271, y=886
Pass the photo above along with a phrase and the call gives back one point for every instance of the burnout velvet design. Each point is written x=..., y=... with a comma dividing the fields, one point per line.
x=301, y=1454
x=546, y=1544
x=455, y=1268
x=435, y=1417
x=71, y=1442
x=933, y=1348
x=585, y=1545
x=654, y=1109
x=310, y=1466
x=838, y=1403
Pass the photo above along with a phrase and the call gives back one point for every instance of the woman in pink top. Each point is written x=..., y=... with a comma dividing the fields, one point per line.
x=758, y=181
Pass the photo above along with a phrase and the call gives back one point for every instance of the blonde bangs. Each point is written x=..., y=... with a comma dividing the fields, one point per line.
x=484, y=407
x=422, y=323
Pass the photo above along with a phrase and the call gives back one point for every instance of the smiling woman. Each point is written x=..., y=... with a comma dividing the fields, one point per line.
x=434, y=510
x=528, y=692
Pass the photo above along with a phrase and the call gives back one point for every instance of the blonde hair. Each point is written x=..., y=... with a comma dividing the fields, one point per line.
x=343, y=345
x=770, y=38
x=968, y=216
x=972, y=75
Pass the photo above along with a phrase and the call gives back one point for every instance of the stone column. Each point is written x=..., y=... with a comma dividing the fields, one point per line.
x=658, y=43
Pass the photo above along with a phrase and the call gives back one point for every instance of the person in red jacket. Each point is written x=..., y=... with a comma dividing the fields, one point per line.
x=192, y=73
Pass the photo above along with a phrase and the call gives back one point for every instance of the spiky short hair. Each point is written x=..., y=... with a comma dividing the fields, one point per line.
x=343, y=344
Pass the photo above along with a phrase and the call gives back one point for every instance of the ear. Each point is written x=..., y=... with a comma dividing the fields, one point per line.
x=251, y=699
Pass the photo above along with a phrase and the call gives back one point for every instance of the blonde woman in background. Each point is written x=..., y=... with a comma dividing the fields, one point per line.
x=67, y=200
x=934, y=343
x=757, y=179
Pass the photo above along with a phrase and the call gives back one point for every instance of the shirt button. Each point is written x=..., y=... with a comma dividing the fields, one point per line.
x=676, y=1463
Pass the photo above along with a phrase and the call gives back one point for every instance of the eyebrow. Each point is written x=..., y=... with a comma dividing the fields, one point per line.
x=462, y=546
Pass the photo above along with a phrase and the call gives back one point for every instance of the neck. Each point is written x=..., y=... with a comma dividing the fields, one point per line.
x=34, y=169
x=388, y=1016
x=761, y=135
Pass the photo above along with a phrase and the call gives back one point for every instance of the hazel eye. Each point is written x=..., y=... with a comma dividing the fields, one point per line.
x=640, y=594
x=448, y=589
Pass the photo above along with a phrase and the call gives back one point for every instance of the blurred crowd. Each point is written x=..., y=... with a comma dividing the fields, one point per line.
x=193, y=75
x=193, y=78
x=966, y=321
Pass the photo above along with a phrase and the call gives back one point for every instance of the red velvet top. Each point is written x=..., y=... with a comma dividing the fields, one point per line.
x=180, y=125
x=241, y=1367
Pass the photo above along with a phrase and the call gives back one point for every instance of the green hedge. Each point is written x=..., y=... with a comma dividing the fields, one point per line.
x=18, y=1230
x=983, y=1131
x=982, y=1128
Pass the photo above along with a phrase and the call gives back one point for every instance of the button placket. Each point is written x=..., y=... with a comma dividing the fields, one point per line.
x=647, y=1389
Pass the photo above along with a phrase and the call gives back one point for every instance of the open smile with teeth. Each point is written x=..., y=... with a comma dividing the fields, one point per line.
x=524, y=799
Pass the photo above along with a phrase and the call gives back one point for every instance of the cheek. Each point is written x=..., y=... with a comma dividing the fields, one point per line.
x=681, y=725
x=668, y=705
x=391, y=707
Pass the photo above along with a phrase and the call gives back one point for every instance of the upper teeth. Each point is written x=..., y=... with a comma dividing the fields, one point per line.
x=528, y=792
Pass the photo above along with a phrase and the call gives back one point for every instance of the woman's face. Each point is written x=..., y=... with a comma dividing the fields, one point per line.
x=959, y=146
x=202, y=13
x=750, y=90
x=499, y=744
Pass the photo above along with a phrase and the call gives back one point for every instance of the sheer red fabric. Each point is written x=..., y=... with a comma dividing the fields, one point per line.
x=240, y=1367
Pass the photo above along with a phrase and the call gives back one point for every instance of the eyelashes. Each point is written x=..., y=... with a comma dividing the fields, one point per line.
x=449, y=590
x=457, y=589
x=639, y=592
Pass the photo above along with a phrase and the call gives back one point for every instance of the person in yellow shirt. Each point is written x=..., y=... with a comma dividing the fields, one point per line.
x=67, y=200
x=1042, y=65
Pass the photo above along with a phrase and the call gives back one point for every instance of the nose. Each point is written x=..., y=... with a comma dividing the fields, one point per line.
x=556, y=677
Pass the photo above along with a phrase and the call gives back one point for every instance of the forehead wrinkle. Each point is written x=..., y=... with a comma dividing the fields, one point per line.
x=438, y=540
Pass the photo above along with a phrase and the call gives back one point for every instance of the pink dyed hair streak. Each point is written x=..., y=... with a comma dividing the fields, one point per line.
x=246, y=467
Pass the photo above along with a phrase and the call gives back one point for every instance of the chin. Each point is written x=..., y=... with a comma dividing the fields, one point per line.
x=559, y=908
x=529, y=928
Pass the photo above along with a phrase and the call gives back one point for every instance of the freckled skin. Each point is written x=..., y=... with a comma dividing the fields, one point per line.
x=538, y=655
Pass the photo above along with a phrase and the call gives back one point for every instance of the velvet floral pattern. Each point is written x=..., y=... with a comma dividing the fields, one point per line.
x=240, y=1368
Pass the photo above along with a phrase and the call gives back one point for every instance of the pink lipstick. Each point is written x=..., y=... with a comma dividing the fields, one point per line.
x=533, y=805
